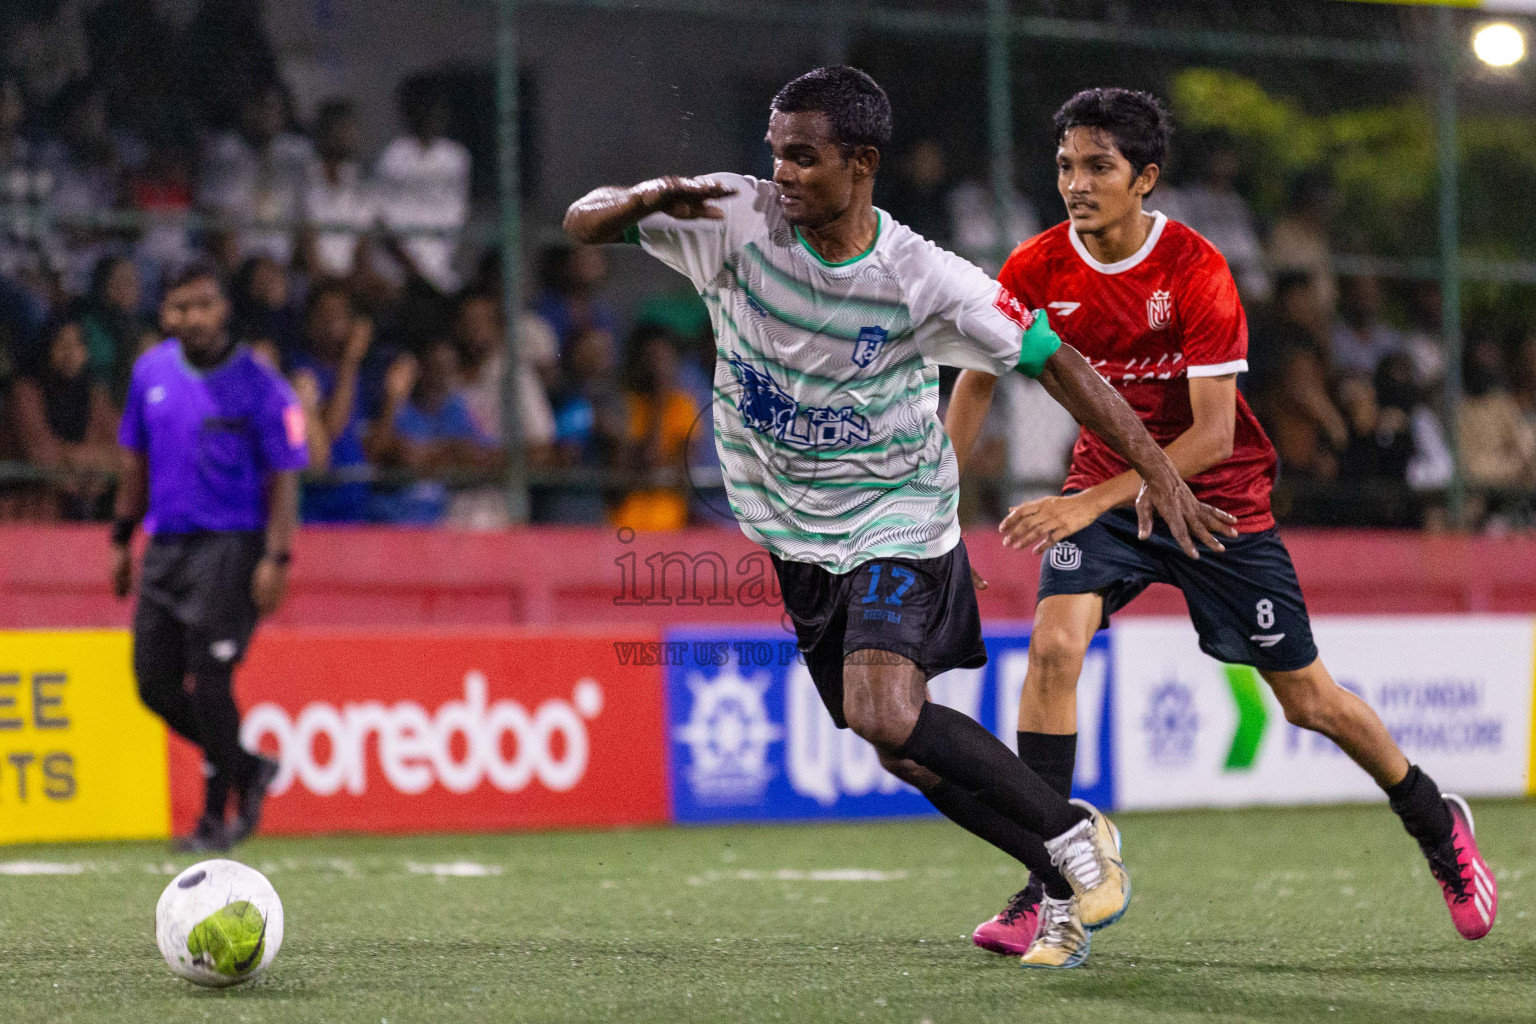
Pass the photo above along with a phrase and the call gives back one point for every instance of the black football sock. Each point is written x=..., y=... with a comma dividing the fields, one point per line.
x=1416, y=800
x=957, y=748
x=1012, y=838
x=1051, y=756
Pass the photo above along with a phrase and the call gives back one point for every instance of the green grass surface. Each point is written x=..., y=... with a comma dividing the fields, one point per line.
x=1310, y=915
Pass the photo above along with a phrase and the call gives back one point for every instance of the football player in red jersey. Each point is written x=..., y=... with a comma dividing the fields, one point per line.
x=1153, y=307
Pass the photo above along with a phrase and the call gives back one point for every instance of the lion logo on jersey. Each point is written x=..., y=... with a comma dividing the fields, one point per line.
x=1159, y=310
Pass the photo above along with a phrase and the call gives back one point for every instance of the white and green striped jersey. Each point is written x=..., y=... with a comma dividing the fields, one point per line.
x=826, y=387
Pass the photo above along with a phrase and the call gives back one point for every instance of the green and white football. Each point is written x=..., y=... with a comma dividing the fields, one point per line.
x=219, y=923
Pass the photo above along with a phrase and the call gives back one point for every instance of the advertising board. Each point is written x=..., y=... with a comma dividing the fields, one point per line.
x=384, y=731
x=80, y=757
x=1454, y=692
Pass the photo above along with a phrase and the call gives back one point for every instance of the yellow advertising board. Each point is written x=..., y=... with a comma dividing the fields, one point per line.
x=80, y=756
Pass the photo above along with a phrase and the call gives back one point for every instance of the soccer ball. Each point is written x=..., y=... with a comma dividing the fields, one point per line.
x=219, y=923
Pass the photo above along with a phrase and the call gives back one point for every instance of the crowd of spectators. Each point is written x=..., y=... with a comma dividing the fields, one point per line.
x=149, y=146
x=1346, y=373
x=348, y=275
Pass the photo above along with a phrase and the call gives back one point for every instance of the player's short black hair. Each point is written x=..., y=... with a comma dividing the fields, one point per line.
x=1137, y=121
x=855, y=105
x=197, y=270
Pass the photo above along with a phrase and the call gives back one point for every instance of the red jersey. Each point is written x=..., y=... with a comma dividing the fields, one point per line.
x=1147, y=324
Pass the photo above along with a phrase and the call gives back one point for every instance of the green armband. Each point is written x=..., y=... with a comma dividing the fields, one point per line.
x=632, y=234
x=1038, y=344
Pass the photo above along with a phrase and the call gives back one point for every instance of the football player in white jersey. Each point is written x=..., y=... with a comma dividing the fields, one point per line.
x=830, y=320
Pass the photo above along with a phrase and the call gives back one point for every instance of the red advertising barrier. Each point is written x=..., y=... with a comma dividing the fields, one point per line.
x=417, y=731
x=59, y=575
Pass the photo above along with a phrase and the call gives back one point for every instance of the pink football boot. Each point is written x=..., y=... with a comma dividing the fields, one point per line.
x=1013, y=929
x=1464, y=877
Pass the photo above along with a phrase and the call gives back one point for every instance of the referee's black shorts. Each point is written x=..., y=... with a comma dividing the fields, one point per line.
x=923, y=609
x=195, y=596
x=1245, y=602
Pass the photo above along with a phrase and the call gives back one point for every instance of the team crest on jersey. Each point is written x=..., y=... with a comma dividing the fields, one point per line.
x=1159, y=310
x=871, y=341
x=1012, y=308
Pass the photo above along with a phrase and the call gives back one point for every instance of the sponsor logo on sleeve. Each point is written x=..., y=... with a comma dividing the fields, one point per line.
x=1008, y=305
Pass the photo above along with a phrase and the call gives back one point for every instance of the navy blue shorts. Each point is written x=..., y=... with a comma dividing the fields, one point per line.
x=923, y=609
x=1245, y=602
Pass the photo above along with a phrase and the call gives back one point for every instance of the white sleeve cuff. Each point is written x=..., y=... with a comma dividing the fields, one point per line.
x=1219, y=369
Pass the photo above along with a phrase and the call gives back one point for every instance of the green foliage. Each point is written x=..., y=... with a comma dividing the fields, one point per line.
x=1382, y=162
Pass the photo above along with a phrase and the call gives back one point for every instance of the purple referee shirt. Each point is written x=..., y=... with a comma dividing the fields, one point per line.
x=210, y=438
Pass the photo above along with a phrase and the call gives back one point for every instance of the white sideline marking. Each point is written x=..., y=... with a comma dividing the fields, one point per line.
x=457, y=869
x=795, y=875
x=39, y=867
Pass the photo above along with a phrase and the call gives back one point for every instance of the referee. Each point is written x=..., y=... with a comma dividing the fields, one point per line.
x=212, y=442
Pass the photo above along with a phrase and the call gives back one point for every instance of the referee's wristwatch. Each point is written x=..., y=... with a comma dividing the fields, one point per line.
x=279, y=558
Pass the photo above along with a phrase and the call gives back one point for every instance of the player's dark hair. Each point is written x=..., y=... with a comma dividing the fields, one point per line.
x=1136, y=121
x=197, y=270
x=856, y=107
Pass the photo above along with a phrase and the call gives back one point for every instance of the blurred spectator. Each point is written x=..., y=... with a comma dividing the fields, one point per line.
x=1525, y=378
x=264, y=311
x=1291, y=390
x=87, y=179
x=1300, y=241
x=426, y=427
x=917, y=193
x=161, y=189
x=478, y=340
x=570, y=285
x=336, y=341
x=225, y=58
x=1360, y=339
x=336, y=194
x=113, y=322
x=1214, y=207
x=307, y=391
x=422, y=181
x=589, y=429
x=1424, y=341
x=253, y=175
x=1498, y=446
x=661, y=418
x=133, y=59
x=65, y=423
x=23, y=184
x=1399, y=392
x=973, y=214
x=44, y=43
x=1036, y=436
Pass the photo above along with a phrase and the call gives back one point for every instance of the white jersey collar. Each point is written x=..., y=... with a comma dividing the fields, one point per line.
x=1159, y=219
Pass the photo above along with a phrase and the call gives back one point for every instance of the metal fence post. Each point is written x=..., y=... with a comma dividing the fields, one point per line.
x=1000, y=119
x=1447, y=63
x=509, y=191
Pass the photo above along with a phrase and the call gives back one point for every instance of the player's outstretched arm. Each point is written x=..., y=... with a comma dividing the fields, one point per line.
x=1093, y=403
x=602, y=214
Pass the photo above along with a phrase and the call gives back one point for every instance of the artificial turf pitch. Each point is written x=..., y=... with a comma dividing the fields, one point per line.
x=1277, y=915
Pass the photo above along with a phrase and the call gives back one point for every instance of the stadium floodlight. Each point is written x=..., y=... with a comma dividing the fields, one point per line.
x=1499, y=44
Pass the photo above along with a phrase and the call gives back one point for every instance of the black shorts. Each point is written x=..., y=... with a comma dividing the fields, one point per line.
x=1245, y=602
x=923, y=609
x=195, y=593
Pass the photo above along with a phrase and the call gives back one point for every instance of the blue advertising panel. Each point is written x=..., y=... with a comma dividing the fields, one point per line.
x=750, y=740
